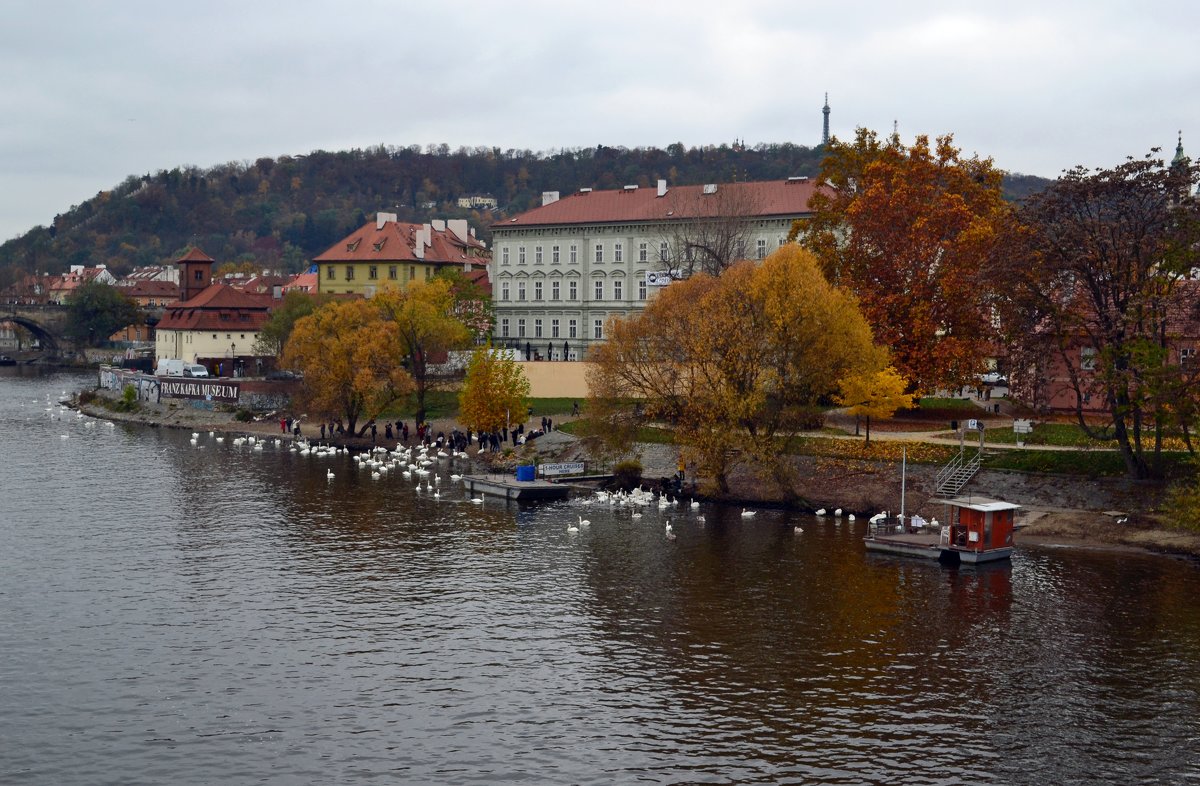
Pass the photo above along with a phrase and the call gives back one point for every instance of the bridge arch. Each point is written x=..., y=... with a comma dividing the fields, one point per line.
x=49, y=342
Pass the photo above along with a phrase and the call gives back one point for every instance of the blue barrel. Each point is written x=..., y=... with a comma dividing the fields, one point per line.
x=526, y=472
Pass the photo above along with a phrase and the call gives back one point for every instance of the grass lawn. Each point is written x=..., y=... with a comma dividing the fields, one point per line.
x=932, y=404
x=1061, y=434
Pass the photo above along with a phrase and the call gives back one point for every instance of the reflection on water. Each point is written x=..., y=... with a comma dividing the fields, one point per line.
x=174, y=611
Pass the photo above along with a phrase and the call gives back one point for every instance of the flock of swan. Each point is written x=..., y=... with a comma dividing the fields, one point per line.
x=419, y=465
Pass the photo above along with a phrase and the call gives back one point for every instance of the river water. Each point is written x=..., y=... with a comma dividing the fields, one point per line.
x=172, y=613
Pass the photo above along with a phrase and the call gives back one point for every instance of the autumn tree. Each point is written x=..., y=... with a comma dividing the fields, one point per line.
x=1102, y=292
x=495, y=388
x=274, y=334
x=352, y=360
x=426, y=328
x=910, y=230
x=733, y=363
x=874, y=394
x=95, y=311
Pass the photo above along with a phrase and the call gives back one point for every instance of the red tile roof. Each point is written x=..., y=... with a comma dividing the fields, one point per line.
x=219, y=307
x=143, y=287
x=195, y=255
x=305, y=282
x=396, y=241
x=759, y=198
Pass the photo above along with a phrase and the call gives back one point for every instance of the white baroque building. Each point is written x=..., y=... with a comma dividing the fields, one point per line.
x=560, y=271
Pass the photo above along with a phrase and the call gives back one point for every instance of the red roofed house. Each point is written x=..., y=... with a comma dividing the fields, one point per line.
x=211, y=322
x=388, y=251
x=561, y=270
x=63, y=285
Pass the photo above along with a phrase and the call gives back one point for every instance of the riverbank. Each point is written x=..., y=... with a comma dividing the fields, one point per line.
x=1056, y=511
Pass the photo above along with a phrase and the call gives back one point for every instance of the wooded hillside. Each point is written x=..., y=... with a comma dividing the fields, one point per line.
x=279, y=213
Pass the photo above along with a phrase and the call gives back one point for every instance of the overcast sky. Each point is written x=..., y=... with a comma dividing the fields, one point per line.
x=93, y=92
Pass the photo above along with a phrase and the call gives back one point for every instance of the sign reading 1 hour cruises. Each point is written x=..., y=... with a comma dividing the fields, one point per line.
x=658, y=278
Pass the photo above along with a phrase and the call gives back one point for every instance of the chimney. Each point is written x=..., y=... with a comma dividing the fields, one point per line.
x=439, y=225
x=384, y=218
x=467, y=266
x=460, y=228
x=549, y=197
x=662, y=188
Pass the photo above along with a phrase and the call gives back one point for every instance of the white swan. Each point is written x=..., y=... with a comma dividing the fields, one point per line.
x=819, y=512
x=476, y=500
x=837, y=512
x=584, y=522
x=798, y=530
x=747, y=513
x=669, y=531
x=850, y=517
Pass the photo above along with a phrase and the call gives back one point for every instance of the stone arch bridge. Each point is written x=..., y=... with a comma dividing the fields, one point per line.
x=48, y=324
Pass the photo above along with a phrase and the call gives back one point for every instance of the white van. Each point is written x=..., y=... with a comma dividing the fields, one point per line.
x=195, y=370
x=169, y=367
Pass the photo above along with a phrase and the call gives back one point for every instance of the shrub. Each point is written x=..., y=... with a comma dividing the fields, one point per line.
x=243, y=416
x=627, y=474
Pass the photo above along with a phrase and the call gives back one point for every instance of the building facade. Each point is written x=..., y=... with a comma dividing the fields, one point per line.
x=560, y=271
x=214, y=324
x=390, y=252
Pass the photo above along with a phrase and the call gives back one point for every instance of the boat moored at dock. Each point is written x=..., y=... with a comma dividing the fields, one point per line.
x=977, y=530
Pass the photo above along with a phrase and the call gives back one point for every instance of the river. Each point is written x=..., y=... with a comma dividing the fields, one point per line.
x=178, y=613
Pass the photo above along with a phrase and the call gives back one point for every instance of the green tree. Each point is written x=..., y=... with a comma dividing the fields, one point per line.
x=274, y=335
x=351, y=357
x=96, y=311
x=494, y=390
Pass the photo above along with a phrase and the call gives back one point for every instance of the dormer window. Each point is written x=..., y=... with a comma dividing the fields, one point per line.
x=353, y=246
x=379, y=246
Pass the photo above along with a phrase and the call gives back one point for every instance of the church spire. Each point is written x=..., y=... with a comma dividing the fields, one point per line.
x=825, y=131
x=1179, y=158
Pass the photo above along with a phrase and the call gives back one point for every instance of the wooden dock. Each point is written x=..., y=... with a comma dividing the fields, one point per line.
x=509, y=488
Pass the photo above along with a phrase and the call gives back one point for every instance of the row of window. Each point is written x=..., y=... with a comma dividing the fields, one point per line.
x=618, y=251
x=618, y=290
x=373, y=273
x=572, y=329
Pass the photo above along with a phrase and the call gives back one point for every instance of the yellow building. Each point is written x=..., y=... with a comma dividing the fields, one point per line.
x=388, y=251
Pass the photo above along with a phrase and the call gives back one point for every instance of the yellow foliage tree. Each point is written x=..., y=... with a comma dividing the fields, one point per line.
x=494, y=390
x=875, y=394
x=733, y=363
x=422, y=314
x=351, y=357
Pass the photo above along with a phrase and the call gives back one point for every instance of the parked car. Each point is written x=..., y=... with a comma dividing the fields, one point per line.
x=281, y=373
x=993, y=378
x=195, y=370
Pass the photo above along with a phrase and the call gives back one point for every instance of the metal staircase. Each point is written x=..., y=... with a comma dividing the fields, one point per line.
x=957, y=474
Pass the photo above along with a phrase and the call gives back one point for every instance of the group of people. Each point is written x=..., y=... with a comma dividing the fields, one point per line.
x=457, y=440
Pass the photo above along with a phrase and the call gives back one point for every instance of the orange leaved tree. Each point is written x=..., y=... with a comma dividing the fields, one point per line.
x=734, y=364
x=910, y=230
x=425, y=325
x=351, y=358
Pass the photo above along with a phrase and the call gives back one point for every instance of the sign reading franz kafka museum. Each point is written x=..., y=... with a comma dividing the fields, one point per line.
x=199, y=389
